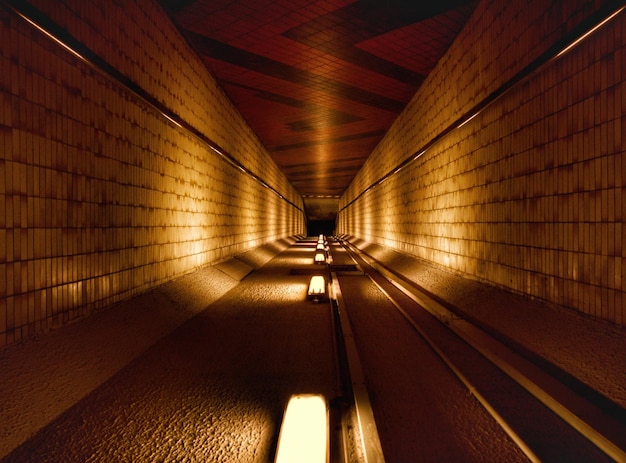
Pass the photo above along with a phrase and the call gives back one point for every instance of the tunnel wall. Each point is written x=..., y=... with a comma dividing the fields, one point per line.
x=102, y=196
x=527, y=195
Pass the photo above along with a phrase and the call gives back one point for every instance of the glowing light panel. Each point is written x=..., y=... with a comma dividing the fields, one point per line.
x=303, y=434
x=319, y=258
x=317, y=286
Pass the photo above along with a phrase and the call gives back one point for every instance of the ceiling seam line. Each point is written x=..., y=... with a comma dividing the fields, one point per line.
x=65, y=40
x=551, y=55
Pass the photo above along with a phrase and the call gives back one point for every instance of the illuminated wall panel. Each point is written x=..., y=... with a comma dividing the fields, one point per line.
x=529, y=194
x=101, y=197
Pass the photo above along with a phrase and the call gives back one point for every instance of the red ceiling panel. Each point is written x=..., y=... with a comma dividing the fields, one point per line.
x=320, y=81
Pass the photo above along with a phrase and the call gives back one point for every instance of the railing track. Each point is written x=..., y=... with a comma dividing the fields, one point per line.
x=507, y=361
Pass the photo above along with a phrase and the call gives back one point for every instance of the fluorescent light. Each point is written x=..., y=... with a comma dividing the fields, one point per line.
x=303, y=434
x=319, y=258
x=317, y=286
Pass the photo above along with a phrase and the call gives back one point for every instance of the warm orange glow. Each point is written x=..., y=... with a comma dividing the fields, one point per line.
x=304, y=432
x=320, y=246
x=317, y=286
x=320, y=258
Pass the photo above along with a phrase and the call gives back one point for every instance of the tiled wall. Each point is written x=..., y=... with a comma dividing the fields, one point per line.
x=529, y=194
x=100, y=196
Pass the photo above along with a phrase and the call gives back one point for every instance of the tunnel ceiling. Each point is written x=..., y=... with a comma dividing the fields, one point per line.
x=320, y=81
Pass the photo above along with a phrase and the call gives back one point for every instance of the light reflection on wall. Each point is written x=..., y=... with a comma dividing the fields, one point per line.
x=127, y=198
x=504, y=198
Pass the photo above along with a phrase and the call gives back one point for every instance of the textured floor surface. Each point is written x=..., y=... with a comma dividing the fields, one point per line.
x=201, y=368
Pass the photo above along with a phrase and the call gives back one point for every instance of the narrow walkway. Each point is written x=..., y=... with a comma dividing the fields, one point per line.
x=197, y=370
x=203, y=366
x=583, y=351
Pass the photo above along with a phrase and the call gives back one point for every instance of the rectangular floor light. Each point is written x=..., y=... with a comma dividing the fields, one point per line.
x=303, y=434
x=317, y=286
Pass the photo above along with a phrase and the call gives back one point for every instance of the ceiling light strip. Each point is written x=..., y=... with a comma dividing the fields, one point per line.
x=568, y=42
x=64, y=39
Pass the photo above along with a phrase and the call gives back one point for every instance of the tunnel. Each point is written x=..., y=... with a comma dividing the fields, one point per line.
x=160, y=158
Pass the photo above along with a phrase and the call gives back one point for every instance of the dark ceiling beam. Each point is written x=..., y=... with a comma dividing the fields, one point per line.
x=272, y=68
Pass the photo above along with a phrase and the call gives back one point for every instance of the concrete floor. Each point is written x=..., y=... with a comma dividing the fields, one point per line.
x=201, y=368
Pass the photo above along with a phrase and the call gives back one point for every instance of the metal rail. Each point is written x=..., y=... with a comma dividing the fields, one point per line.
x=65, y=40
x=498, y=355
x=466, y=382
x=368, y=439
x=560, y=48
